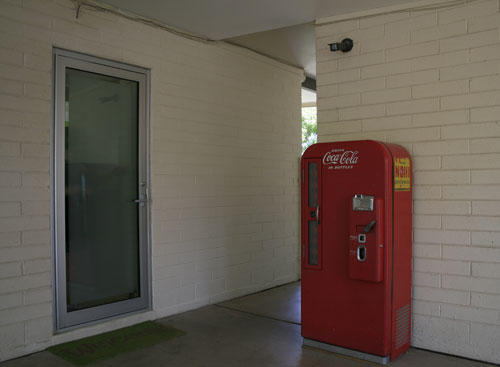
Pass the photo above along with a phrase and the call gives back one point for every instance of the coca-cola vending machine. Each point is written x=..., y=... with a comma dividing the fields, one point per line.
x=356, y=249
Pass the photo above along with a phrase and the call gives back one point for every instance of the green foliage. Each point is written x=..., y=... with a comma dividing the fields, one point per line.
x=309, y=127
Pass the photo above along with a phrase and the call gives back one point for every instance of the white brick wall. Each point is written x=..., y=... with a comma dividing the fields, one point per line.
x=225, y=128
x=429, y=80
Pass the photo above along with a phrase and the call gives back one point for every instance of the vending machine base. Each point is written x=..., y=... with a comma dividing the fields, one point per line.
x=347, y=352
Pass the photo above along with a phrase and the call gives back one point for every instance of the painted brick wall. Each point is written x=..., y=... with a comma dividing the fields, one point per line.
x=429, y=80
x=225, y=130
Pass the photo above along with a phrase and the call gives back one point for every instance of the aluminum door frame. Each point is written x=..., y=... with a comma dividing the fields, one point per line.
x=64, y=320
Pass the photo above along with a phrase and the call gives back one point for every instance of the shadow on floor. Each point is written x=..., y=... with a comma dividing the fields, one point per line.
x=280, y=303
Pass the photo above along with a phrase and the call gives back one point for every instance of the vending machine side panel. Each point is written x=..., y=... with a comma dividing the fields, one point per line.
x=402, y=228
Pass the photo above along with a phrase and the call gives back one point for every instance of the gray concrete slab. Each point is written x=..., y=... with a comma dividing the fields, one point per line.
x=281, y=303
x=218, y=336
x=36, y=360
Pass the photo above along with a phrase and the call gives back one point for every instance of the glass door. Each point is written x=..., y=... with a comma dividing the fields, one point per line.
x=101, y=189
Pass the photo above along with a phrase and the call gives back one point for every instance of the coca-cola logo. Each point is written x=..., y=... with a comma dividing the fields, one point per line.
x=341, y=157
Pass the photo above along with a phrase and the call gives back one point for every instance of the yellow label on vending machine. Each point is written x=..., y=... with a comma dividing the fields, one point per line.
x=402, y=174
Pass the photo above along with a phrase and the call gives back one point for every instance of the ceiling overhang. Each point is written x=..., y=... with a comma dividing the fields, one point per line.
x=282, y=29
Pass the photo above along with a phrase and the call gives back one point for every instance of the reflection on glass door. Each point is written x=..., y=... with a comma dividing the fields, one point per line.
x=100, y=190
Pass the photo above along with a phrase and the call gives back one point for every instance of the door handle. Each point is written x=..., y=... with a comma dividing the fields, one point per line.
x=142, y=200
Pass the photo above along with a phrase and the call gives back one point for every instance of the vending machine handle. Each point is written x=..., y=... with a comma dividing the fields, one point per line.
x=317, y=213
x=370, y=226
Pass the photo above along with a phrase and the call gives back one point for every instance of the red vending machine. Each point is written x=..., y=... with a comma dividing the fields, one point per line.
x=356, y=249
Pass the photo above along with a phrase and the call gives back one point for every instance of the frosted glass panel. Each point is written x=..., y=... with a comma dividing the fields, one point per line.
x=101, y=183
x=313, y=243
x=313, y=184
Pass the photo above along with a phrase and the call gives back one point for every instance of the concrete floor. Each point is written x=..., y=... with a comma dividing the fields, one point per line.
x=281, y=303
x=257, y=330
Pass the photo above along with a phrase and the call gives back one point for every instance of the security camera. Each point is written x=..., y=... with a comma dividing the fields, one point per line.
x=344, y=46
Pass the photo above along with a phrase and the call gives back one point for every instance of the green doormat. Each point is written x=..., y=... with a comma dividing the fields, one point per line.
x=96, y=348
